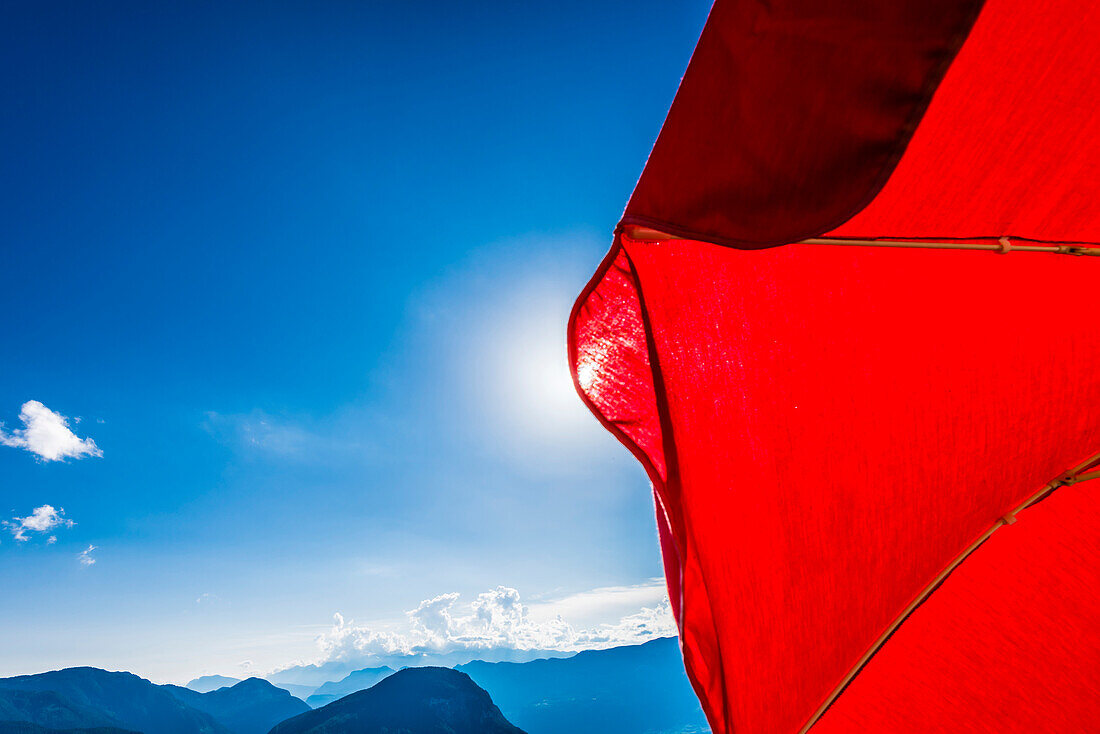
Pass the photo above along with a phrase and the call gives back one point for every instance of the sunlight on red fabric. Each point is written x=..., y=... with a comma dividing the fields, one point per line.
x=830, y=429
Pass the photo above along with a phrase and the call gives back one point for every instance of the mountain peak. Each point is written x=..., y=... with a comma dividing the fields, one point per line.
x=207, y=683
x=358, y=680
x=251, y=706
x=254, y=683
x=125, y=698
x=424, y=700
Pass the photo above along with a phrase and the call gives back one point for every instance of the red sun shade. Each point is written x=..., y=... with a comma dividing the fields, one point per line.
x=832, y=431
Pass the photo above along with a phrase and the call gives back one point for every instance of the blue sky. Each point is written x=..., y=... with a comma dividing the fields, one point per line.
x=301, y=273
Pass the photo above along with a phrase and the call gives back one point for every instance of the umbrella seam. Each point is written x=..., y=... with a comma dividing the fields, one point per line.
x=1068, y=478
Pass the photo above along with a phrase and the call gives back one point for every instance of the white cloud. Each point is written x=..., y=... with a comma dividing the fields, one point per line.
x=47, y=434
x=45, y=517
x=495, y=620
x=42, y=519
x=85, y=556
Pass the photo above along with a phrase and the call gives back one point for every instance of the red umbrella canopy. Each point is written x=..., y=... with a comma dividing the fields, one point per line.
x=835, y=432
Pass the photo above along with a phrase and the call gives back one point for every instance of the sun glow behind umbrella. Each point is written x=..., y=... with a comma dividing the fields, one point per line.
x=535, y=390
x=502, y=319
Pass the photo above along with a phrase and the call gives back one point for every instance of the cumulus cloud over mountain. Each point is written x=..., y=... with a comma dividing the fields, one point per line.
x=495, y=620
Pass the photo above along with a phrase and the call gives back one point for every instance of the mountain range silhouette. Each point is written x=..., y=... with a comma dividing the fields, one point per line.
x=638, y=689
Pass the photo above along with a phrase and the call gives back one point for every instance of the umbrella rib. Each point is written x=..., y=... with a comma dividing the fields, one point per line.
x=1073, y=476
x=1088, y=463
x=1003, y=245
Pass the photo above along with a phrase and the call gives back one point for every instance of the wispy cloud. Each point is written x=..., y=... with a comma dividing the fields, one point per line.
x=47, y=435
x=258, y=431
x=85, y=556
x=496, y=619
x=41, y=520
x=287, y=438
x=597, y=606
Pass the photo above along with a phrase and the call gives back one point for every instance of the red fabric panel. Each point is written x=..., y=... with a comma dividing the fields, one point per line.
x=1009, y=643
x=838, y=425
x=1011, y=142
x=792, y=113
x=828, y=428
